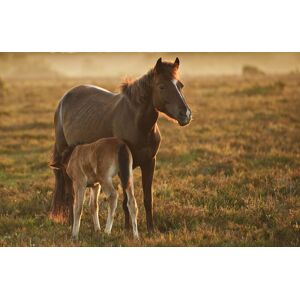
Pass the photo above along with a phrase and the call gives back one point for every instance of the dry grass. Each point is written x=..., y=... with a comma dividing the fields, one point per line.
x=231, y=178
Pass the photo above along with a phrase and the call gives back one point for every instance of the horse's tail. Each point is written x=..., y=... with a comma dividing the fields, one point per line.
x=61, y=208
x=125, y=166
x=58, y=206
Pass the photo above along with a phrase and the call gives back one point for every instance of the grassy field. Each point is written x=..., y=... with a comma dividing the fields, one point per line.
x=231, y=178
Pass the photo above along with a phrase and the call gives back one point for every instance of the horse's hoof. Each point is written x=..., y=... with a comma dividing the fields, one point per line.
x=151, y=231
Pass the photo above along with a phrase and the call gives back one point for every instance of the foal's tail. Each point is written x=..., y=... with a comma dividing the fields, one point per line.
x=125, y=166
x=62, y=159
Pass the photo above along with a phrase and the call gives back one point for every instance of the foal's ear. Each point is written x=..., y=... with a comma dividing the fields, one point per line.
x=176, y=63
x=158, y=65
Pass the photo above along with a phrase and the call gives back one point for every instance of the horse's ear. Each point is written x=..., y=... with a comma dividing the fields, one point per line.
x=176, y=63
x=158, y=65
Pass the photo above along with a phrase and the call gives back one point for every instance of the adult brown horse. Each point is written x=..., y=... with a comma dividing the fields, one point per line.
x=87, y=113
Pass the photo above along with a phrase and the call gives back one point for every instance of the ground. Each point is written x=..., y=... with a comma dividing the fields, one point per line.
x=230, y=178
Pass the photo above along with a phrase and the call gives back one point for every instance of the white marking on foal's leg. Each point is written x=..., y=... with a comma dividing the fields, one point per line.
x=133, y=210
x=112, y=205
x=94, y=206
x=113, y=199
x=77, y=210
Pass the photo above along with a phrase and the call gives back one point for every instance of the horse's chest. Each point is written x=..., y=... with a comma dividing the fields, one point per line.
x=147, y=152
x=146, y=149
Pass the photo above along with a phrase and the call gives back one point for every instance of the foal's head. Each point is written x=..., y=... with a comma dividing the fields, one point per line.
x=167, y=92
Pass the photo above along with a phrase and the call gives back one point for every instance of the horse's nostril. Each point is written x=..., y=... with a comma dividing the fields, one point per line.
x=182, y=115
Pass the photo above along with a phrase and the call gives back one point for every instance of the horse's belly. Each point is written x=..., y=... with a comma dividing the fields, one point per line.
x=81, y=135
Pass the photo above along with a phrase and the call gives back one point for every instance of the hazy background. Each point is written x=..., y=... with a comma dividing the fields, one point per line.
x=51, y=65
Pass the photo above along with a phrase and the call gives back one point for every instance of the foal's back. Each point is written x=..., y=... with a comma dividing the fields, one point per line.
x=96, y=162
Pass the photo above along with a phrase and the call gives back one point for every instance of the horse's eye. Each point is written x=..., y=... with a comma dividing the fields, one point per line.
x=161, y=87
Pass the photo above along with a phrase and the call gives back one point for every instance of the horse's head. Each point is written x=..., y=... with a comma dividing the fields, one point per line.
x=167, y=92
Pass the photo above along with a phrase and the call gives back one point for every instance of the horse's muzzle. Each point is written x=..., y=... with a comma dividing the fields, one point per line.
x=184, y=119
x=184, y=122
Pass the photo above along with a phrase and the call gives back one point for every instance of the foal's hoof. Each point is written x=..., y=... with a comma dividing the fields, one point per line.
x=74, y=238
x=136, y=237
x=107, y=231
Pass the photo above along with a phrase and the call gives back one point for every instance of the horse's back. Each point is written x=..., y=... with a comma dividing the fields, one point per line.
x=81, y=112
x=86, y=93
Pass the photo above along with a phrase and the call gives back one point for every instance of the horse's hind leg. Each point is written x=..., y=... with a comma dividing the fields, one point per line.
x=77, y=209
x=112, y=195
x=133, y=210
x=94, y=208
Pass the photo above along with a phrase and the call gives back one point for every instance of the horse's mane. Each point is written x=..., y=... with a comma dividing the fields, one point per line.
x=141, y=87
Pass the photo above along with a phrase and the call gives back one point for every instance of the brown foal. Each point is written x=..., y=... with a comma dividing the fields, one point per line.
x=94, y=165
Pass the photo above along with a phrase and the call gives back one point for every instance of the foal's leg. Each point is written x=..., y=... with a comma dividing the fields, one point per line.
x=94, y=208
x=126, y=211
x=77, y=208
x=133, y=210
x=69, y=195
x=112, y=195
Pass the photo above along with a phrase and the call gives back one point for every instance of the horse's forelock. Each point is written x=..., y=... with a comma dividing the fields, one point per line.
x=168, y=69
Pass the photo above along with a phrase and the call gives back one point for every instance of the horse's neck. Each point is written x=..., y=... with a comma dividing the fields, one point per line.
x=141, y=101
x=146, y=116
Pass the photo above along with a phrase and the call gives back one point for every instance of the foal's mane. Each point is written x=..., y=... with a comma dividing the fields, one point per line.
x=141, y=88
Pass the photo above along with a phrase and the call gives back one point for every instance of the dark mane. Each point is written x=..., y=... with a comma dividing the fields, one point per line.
x=141, y=88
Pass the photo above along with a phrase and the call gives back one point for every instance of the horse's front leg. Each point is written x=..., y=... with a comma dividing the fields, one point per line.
x=147, y=178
